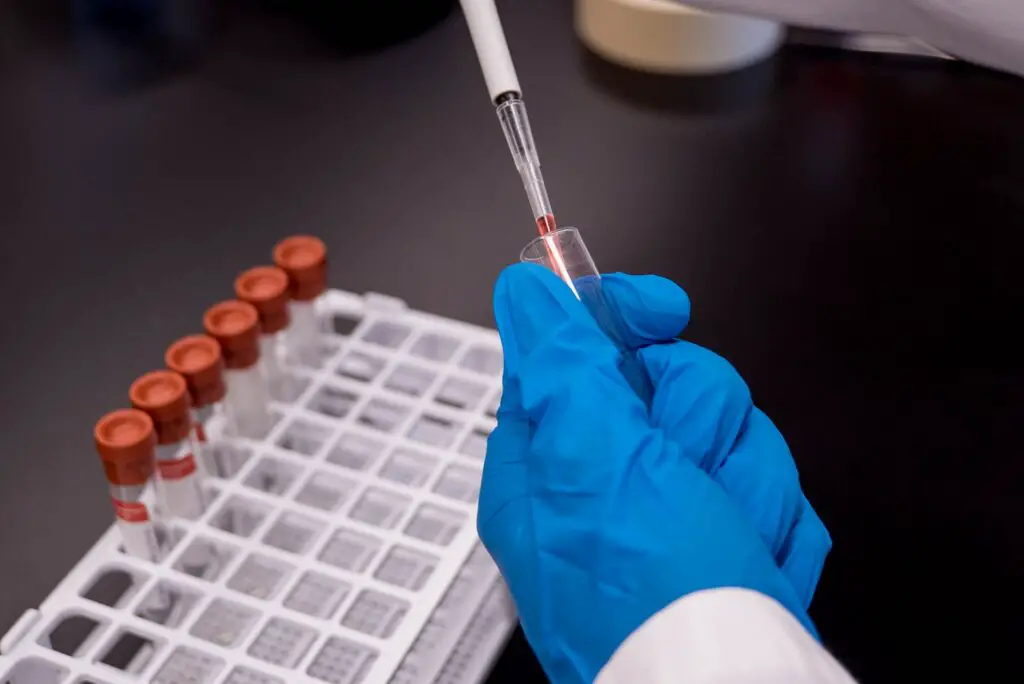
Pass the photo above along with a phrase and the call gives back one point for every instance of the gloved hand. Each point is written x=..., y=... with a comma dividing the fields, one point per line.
x=599, y=513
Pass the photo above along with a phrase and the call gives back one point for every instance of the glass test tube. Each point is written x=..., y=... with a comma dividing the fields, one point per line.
x=236, y=327
x=126, y=441
x=304, y=259
x=198, y=360
x=266, y=288
x=562, y=251
x=163, y=396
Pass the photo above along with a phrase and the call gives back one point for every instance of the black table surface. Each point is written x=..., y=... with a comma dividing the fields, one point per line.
x=849, y=230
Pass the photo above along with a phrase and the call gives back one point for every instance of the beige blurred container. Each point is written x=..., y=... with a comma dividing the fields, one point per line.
x=663, y=36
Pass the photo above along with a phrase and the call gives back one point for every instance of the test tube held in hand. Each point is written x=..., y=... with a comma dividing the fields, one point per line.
x=304, y=259
x=164, y=397
x=236, y=327
x=266, y=288
x=126, y=442
x=198, y=360
x=562, y=251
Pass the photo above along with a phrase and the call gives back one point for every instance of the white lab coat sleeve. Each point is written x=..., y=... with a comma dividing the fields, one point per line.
x=989, y=32
x=722, y=636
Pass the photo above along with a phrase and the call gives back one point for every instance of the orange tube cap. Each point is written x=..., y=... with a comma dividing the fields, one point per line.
x=304, y=259
x=163, y=395
x=266, y=288
x=125, y=440
x=236, y=327
x=197, y=358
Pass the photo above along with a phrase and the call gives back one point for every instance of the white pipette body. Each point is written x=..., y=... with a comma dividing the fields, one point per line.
x=504, y=90
x=491, y=48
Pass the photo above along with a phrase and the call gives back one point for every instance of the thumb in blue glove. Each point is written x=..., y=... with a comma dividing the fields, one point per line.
x=596, y=517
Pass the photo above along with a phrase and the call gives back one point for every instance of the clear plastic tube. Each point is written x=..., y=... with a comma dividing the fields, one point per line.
x=136, y=522
x=235, y=325
x=217, y=456
x=125, y=442
x=563, y=252
x=163, y=395
x=279, y=383
x=199, y=360
x=303, y=333
x=205, y=452
x=179, y=481
x=247, y=401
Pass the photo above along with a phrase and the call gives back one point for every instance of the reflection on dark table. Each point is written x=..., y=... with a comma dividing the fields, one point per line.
x=848, y=227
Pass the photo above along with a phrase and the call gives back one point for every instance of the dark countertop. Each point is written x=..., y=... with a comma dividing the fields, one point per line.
x=849, y=229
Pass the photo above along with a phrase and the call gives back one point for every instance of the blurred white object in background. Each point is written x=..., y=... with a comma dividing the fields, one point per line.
x=663, y=36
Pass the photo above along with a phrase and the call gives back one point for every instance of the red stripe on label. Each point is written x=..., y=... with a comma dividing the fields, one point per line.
x=131, y=511
x=200, y=432
x=178, y=469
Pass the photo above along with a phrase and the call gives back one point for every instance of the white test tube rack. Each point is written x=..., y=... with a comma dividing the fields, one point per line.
x=340, y=548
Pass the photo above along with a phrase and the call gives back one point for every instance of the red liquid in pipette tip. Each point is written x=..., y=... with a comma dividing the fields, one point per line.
x=546, y=224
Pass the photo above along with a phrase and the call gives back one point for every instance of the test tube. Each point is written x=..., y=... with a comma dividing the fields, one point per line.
x=236, y=327
x=266, y=288
x=163, y=396
x=562, y=251
x=304, y=259
x=126, y=442
x=198, y=360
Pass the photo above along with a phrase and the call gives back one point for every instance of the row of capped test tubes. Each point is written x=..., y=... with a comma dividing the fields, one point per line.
x=234, y=368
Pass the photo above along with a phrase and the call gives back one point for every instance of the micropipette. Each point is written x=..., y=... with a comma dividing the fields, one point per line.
x=503, y=87
x=561, y=250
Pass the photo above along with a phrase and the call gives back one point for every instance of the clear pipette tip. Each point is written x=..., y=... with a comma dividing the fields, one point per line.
x=516, y=126
x=564, y=252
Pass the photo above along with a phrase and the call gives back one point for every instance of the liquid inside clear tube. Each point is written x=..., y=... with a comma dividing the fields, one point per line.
x=247, y=402
x=563, y=252
x=303, y=334
x=279, y=382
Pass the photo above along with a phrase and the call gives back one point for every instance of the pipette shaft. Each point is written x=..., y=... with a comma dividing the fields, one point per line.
x=505, y=93
x=560, y=250
x=491, y=48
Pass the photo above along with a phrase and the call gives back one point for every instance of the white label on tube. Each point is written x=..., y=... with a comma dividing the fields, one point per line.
x=137, y=531
x=177, y=469
x=179, y=483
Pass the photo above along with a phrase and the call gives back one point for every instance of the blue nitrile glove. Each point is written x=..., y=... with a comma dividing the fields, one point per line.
x=600, y=514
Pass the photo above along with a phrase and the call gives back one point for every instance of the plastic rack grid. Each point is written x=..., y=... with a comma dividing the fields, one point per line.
x=340, y=548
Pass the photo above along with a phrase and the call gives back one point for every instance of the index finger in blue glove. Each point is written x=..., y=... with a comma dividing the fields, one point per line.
x=653, y=309
x=700, y=401
x=703, y=405
x=803, y=556
x=760, y=475
x=571, y=389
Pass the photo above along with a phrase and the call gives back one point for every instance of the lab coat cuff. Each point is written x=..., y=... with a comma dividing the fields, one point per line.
x=719, y=636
